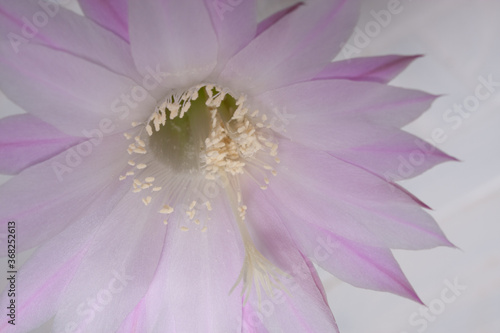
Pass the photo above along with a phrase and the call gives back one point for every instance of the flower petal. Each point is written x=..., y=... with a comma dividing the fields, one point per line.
x=294, y=49
x=305, y=308
x=113, y=15
x=72, y=94
x=26, y=140
x=379, y=69
x=177, y=36
x=381, y=106
x=394, y=157
x=65, y=31
x=349, y=202
x=271, y=20
x=41, y=279
x=235, y=24
x=194, y=278
x=330, y=115
x=62, y=189
x=357, y=264
x=125, y=248
x=61, y=276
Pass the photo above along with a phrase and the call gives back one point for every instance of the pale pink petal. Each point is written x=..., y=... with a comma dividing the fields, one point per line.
x=124, y=247
x=60, y=277
x=63, y=189
x=64, y=31
x=177, y=36
x=271, y=20
x=357, y=264
x=313, y=187
x=190, y=291
x=305, y=308
x=295, y=48
x=26, y=140
x=113, y=15
x=379, y=69
x=327, y=102
x=39, y=284
x=364, y=131
x=235, y=24
x=72, y=94
x=394, y=157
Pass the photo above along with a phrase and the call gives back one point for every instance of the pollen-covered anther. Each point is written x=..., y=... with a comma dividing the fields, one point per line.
x=243, y=211
x=191, y=214
x=231, y=143
x=140, y=142
x=147, y=200
x=166, y=209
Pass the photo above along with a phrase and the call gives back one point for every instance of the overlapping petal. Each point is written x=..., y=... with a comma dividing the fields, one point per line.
x=271, y=20
x=379, y=69
x=63, y=189
x=356, y=121
x=190, y=291
x=60, y=278
x=301, y=306
x=358, y=264
x=26, y=140
x=32, y=22
x=296, y=47
x=177, y=36
x=77, y=98
x=235, y=24
x=113, y=15
x=126, y=255
x=349, y=201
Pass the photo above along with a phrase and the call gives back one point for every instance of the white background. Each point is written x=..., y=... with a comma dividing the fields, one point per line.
x=460, y=41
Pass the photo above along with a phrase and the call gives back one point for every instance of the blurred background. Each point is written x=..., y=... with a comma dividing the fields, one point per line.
x=459, y=39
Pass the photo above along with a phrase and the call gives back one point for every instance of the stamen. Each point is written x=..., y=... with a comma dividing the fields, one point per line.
x=233, y=141
x=166, y=210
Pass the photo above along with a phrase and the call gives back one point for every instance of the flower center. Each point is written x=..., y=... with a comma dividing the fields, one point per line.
x=204, y=134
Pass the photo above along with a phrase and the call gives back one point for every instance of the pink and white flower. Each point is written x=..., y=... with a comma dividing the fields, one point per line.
x=181, y=166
